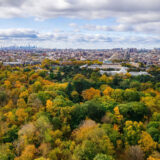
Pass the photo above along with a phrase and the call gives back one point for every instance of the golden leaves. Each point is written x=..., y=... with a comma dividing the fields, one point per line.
x=91, y=93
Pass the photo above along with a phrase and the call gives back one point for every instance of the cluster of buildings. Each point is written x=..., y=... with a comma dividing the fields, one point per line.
x=113, y=69
x=33, y=55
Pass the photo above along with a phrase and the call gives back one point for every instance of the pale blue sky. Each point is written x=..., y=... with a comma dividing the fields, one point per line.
x=80, y=23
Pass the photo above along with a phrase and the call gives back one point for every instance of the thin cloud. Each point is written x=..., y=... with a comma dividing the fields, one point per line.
x=135, y=17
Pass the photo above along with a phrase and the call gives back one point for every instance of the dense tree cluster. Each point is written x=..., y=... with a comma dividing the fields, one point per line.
x=59, y=111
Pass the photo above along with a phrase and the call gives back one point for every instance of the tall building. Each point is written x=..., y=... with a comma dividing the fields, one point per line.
x=126, y=56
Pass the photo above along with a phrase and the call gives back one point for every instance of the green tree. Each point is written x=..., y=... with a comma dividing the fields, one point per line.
x=135, y=84
x=69, y=90
x=78, y=114
x=80, y=83
x=3, y=97
x=92, y=140
x=58, y=76
x=6, y=153
x=131, y=95
x=11, y=134
x=153, y=128
x=95, y=110
x=118, y=95
x=103, y=157
x=133, y=111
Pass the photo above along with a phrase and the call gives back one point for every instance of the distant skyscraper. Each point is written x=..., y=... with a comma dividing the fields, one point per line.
x=127, y=56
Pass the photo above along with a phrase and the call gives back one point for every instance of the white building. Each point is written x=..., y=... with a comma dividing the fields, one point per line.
x=123, y=70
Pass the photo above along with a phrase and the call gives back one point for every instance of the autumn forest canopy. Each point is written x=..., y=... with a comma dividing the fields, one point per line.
x=57, y=111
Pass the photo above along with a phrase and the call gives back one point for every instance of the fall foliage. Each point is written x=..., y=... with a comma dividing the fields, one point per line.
x=60, y=111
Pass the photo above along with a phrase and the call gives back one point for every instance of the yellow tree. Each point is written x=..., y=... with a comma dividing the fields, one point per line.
x=81, y=133
x=91, y=93
x=44, y=149
x=91, y=140
x=78, y=77
x=28, y=153
x=49, y=105
x=128, y=75
x=105, y=79
x=18, y=84
x=117, y=114
x=132, y=132
x=42, y=158
x=147, y=144
x=21, y=115
x=152, y=102
x=10, y=105
x=10, y=117
x=21, y=103
x=108, y=91
x=152, y=158
x=7, y=84
x=24, y=95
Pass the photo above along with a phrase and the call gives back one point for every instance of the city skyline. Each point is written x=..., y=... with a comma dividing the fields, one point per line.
x=80, y=24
